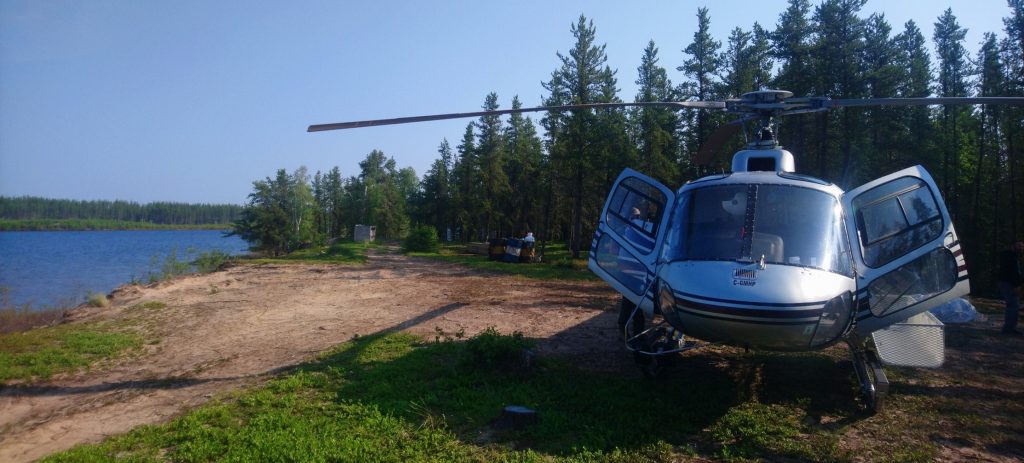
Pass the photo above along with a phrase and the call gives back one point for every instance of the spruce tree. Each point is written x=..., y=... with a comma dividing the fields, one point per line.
x=582, y=78
x=490, y=155
x=702, y=64
x=655, y=137
x=791, y=46
x=839, y=40
x=952, y=80
x=524, y=169
x=466, y=186
x=883, y=75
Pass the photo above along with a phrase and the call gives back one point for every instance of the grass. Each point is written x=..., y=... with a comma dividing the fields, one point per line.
x=14, y=319
x=149, y=305
x=41, y=353
x=338, y=253
x=396, y=397
x=558, y=263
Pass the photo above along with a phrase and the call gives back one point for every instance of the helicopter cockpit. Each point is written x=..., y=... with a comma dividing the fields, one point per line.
x=766, y=223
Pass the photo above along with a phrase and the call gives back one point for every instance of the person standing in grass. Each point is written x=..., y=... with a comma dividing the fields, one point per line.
x=1009, y=281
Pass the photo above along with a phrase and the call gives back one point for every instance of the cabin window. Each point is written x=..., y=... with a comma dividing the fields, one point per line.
x=635, y=212
x=896, y=218
x=921, y=279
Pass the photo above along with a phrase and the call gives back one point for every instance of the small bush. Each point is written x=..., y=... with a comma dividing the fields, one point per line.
x=493, y=350
x=422, y=238
x=97, y=300
x=211, y=261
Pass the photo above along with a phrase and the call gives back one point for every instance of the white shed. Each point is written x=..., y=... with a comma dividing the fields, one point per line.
x=365, y=233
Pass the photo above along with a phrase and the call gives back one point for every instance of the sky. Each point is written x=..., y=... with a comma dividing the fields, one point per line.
x=192, y=101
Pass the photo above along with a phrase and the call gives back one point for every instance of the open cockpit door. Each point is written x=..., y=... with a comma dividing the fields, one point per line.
x=629, y=235
x=906, y=251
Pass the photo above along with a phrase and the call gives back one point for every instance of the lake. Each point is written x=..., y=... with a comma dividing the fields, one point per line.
x=57, y=269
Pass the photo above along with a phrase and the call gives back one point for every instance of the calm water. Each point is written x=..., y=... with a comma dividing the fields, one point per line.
x=47, y=269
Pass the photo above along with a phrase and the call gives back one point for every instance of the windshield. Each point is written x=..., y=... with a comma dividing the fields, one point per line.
x=783, y=224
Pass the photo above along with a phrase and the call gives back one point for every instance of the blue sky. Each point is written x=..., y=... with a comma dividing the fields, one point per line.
x=191, y=101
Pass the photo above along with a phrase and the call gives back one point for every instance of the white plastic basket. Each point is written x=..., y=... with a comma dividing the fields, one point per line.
x=919, y=341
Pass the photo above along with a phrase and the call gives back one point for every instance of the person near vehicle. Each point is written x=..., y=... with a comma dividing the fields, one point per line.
x=1010, y=279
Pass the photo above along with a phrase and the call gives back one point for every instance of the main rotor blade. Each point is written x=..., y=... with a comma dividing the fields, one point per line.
x=437, y=117
x=922, y=101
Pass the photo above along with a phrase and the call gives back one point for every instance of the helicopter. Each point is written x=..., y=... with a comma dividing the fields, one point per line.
x=766, y=258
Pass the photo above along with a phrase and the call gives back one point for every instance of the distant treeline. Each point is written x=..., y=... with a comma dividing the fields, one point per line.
x=75, y=214
x=97, y=224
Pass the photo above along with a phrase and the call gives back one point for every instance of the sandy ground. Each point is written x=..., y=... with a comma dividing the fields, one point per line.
x=237, y=327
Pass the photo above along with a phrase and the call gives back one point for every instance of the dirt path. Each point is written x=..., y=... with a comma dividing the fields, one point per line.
x=237, y=327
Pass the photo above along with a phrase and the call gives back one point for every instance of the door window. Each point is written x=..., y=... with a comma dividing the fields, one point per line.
x=921, y=279
x=896, y=218
x=635, y=212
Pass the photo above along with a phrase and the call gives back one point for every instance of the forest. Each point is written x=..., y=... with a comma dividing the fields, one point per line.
x=29, y=212
x=551, y=175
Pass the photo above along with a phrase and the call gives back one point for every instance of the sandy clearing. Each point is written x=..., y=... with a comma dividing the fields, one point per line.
x=237, y=327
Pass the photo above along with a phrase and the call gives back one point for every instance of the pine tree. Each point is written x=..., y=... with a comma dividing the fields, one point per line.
x=883, y=75
x=437, y=191
x=917, y=147
x=839, y=34
x=701, y=67
x=1012, y=51
x=655, y=128
x=525, y=157
x=582, y=78
x=952, y=80
x=466, y=186
x=490, y=154
x=991, y=82
x=791, y=46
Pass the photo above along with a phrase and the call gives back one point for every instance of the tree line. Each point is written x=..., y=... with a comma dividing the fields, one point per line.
x=294, y=210
x=31, y=208
x=506, y=175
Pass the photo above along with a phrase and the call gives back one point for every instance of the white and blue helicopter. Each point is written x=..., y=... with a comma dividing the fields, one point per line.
x=766, y=258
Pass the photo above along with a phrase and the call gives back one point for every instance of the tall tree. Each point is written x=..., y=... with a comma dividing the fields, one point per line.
x=952, y=80
x=491, y=158
x=436, y=188
x=983, y=213
x=747, y=63
x=277, y=218
x=791, y=46
x=917, y=146
x=581, y=78
x=702, y=64
x=466, y=186
x=525, y=158
x=1012, y=50
x=883, y=76
x=839, y=40
x=655, y=128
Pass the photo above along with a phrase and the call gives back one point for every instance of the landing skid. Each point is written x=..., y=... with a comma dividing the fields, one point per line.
x=654, y=348
x=874, y=386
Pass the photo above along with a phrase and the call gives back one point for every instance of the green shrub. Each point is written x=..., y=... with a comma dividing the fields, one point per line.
x=493, y=350
x=211, y=261
x=97, y=300
x=422, y=238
